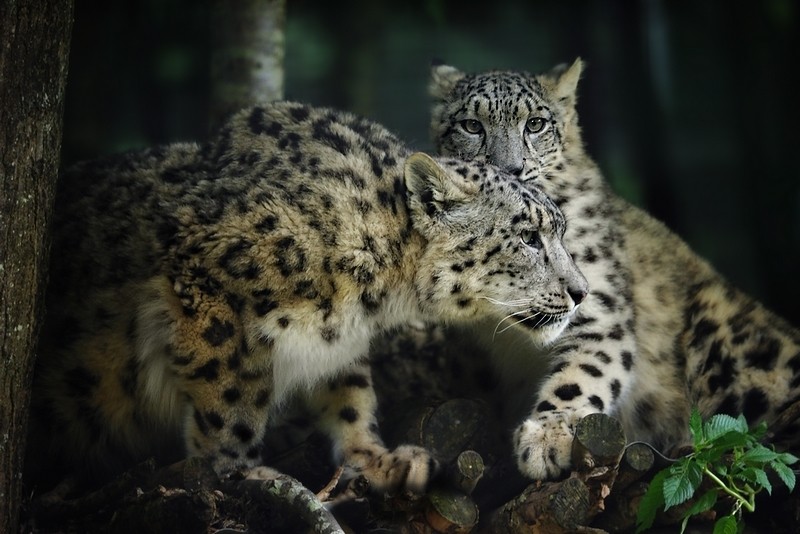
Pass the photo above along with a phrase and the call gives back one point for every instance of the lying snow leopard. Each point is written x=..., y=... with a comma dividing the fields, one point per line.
x=195, y=289
x=661, y=330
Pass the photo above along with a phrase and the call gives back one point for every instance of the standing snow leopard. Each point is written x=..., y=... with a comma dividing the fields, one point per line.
x=660, y=332
x=195, y=289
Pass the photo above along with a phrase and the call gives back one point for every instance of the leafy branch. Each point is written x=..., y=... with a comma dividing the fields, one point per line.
x=729, y=455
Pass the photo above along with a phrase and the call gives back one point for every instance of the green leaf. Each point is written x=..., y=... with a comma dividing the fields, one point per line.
x=696, y=427
x=704, y=503
x=759, y=454
x=762, y=480
x=787, y=458
x=651, y=503
x=681, y=485
x=727, y=441
x=726, y=525
x=785, y=473
x=721, y=424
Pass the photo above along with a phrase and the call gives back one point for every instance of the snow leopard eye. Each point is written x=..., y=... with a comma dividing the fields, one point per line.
x=531, y=238
x=472, y=126
x=535, y=125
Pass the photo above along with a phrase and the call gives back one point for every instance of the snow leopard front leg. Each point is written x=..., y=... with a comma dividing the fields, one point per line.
x=591, y=363
x=345, y=410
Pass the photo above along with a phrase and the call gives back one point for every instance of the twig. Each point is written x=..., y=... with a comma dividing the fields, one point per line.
x=325, y=493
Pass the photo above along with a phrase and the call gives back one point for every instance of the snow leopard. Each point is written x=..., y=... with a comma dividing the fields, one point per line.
x=661, y=331
x=197, y=290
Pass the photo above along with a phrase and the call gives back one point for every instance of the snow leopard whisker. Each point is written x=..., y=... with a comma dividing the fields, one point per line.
x=511, y=304
x=497, y=329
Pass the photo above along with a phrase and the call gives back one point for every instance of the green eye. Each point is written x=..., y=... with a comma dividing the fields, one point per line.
x=535, y=125
x=472, y=126
x=531, y=238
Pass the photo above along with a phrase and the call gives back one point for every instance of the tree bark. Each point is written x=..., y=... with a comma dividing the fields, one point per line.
x=34, y=48
x=247, y=55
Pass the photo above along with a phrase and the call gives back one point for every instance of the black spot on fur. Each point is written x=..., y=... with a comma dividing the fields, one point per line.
x=702, y=330
x=290, y=258
x=754, y=405
x=262, y=398
x=215, y=420
x=591, y=370
x=329, y=334
x=349, y=414
x=568, y=391
x=267, y=224
x=607, y=301
x=765, y=356
x=726, y=369
x=355, y=381
x=616, y=387
x=231, y=395
x=257, y=123
x=237, y=262
x=299, y=113
x=491, y=253
x=323, y=133
x=181, y=360
x=597, y=402
x=253, y=453
x=729, y=405
x=371, y=302
x=616, y=332
x=209, y=371
x=545, y=406
x=264, y=306
x=603, y=357
x=305, y=289
x=526, y=454
x=243, y=432
x=627, y=360
x=218, y=332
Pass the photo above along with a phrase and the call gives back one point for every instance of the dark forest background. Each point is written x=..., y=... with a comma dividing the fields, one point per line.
x=688, y=107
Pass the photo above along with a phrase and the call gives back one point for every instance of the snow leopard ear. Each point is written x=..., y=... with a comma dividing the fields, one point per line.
x=432, y=189
x=565, y=81
x=443, y=79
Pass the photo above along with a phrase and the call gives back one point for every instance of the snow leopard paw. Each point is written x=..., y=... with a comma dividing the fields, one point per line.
x=543, y=446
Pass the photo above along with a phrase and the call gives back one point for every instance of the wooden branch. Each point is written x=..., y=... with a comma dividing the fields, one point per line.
x=466, y=471
x=636, y=462
x=451, y=511
x=599, y=441
x=544, y=508
x=571, y=504
x=284, y=492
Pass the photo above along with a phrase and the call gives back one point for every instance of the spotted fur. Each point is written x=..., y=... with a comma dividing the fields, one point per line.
x=661, y=330
x=197, y=289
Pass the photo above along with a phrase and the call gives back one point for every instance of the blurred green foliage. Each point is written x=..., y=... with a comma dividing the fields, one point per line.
x=687, y=106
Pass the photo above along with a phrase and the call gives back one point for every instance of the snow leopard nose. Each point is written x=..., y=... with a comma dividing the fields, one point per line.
x=578, y=294
x=514, y=169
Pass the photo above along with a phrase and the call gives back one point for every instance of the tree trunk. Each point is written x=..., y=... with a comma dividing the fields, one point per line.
x=246, y=56
x=34, y=47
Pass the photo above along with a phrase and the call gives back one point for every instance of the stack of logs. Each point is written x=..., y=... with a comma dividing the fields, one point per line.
x=602, y=493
